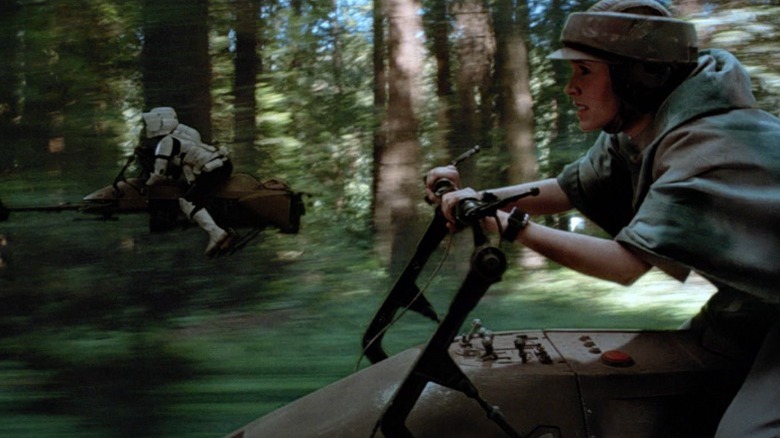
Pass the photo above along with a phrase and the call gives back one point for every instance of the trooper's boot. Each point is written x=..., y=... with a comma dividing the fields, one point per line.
x=217, y=236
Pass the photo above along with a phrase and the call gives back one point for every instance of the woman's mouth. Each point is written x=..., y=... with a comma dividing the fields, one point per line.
x=580, y=110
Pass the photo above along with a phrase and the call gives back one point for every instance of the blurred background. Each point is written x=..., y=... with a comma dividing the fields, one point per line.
x=110, y=330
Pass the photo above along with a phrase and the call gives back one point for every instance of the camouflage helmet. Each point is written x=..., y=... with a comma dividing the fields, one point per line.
x=642, y=7
x=640, y=30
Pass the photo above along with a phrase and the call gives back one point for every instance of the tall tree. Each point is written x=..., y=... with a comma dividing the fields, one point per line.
x=438, y=28
x=247, y=65
x=10, y=101
x=175, y=60
x=398, y=173
x=515, y=107
x=476, y=48
x=380, y=94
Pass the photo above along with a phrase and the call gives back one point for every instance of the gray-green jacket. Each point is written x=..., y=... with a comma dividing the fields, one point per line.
x=699, y=189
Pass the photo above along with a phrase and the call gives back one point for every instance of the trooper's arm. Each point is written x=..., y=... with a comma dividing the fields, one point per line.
x=162, y=155
x=183, y=130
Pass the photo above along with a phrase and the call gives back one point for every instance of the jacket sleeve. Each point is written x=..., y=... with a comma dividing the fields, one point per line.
x=714, y=205
x=599, y=186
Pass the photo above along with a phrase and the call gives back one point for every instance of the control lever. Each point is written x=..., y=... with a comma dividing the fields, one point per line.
x=464, y=155
x=470, y=210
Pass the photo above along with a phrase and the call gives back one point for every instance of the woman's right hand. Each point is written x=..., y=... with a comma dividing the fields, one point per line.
x=438, y=176
x=450, y=203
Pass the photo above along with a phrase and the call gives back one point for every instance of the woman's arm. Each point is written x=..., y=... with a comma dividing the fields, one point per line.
x=551, y=199
x=598, y=257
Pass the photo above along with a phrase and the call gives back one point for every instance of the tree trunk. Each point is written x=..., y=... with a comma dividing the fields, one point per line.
x=380, y=97
x=175, y=60
x=439, y=34
x=398, y=185
x=516, y=103
x=476, y=51
x=10, y=101
x=246, y=64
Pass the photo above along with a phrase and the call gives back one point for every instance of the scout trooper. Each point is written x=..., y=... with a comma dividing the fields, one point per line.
x=204, y=166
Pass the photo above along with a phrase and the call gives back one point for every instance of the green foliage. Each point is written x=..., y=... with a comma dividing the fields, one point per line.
x=104, y=326
x=316, y=114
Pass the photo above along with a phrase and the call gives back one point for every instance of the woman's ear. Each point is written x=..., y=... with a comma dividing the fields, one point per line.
x=650, y=75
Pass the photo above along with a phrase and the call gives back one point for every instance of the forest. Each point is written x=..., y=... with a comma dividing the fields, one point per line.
x=350, y=102
x=341, y=97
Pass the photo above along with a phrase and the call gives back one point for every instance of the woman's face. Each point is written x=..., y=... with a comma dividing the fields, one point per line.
x=590, y=87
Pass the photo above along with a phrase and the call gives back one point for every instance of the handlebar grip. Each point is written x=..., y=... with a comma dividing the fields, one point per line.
x=442, y=186
x=466, y=211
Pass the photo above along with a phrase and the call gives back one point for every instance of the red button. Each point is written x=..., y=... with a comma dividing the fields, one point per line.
x=617, y=358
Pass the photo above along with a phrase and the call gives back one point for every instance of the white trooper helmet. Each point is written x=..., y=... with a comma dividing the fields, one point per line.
x=160, y=121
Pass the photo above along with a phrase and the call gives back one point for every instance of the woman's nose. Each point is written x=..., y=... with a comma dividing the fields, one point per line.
x=571, y=89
